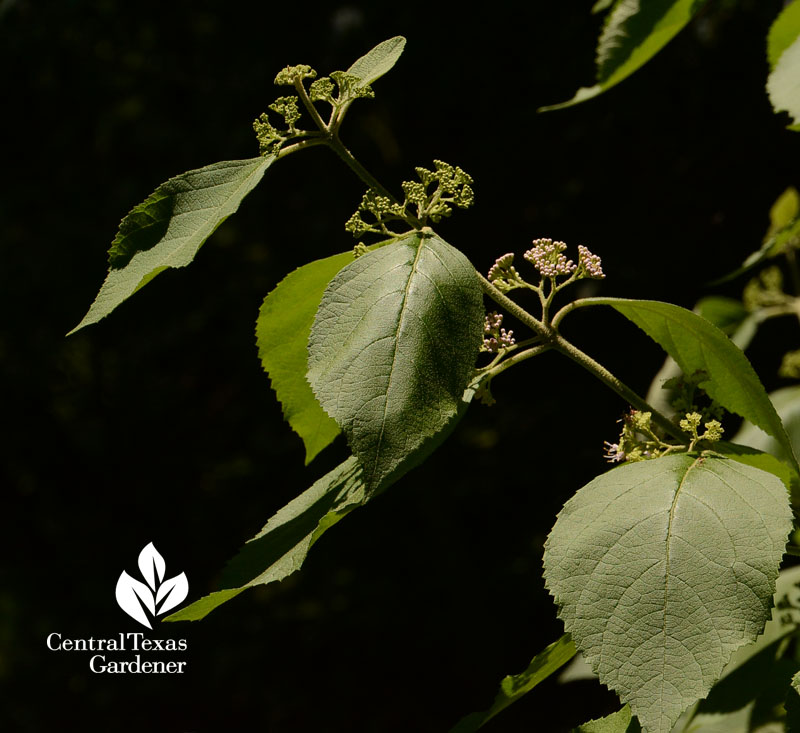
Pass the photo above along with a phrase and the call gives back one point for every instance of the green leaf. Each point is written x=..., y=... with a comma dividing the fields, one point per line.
x=281, y=547
x=782, y=33
x=374, y=64
x=620, y=722
x=696, y=344
x=787, y=206
x=282, y=330
x=758, y=674
x=601, y=6
x=730, y=317
x=634, y=32
x=168, y=227
x=783, y=232
x=393, y=347
x=787, y=404
x=761, y=460
x=783, y=54
x=513, y=687
x=662, y=569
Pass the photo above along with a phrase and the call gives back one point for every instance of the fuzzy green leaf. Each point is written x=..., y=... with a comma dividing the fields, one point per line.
x=513, y=687
x=281, y=547
x=375, y=63
x=662, y=569
x=393, y=347
x=282, y=330
x=696, y=344
x=633, y=33
x=620, y=722
x=783, y=54
x=169, y=227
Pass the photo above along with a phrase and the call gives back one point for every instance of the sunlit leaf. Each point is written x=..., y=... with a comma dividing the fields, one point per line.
x=393, y=347
x=783, y=54
x=633, y=33
x=169, y=227
x=695, y=344
x=282, y=330
x=620, y=722
x=375, y=63
x=513, y=687
x=662, y=569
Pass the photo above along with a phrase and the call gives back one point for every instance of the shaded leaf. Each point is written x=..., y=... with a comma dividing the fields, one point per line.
x=634, y=32
x=282, y=330
x=169, y=227
x=662, y=569
x=513, y=687
x=375, y=63
x=281, y=547
x=696, y=344
x=393, y=347
x=620, y=722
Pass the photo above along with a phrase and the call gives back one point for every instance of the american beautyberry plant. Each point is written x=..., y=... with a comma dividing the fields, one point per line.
x=664, y=568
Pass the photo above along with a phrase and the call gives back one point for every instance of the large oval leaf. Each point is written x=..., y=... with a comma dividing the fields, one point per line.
x=662, y=569
x=634, y=32
x=169, y=227
x=393, y=347
x=282, y=330
x=696, y=344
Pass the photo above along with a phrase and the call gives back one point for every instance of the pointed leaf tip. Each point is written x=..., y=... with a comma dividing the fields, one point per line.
x=169, y=227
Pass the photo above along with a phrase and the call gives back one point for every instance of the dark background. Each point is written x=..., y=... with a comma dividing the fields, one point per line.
x=158, y=424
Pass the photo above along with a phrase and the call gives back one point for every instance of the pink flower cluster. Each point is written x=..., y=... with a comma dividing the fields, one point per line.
x=548, y=258
x=496, y=338
x=589, y=263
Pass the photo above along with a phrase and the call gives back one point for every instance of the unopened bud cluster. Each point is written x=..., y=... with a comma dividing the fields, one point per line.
x=495, y=338
x=270, y=138
x=790, y=365
x=421, y=203
x=549, y=259
x=503, y=275
x=765, y=290
x=691, y=423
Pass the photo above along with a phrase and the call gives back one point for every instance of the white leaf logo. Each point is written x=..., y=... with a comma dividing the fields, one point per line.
x=158, y=596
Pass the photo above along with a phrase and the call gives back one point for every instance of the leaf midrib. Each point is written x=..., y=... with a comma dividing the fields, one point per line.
x=189, y=238
x=670, y=520
x=400, y=322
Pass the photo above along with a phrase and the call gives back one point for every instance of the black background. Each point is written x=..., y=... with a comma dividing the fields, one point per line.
x=158, y=424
